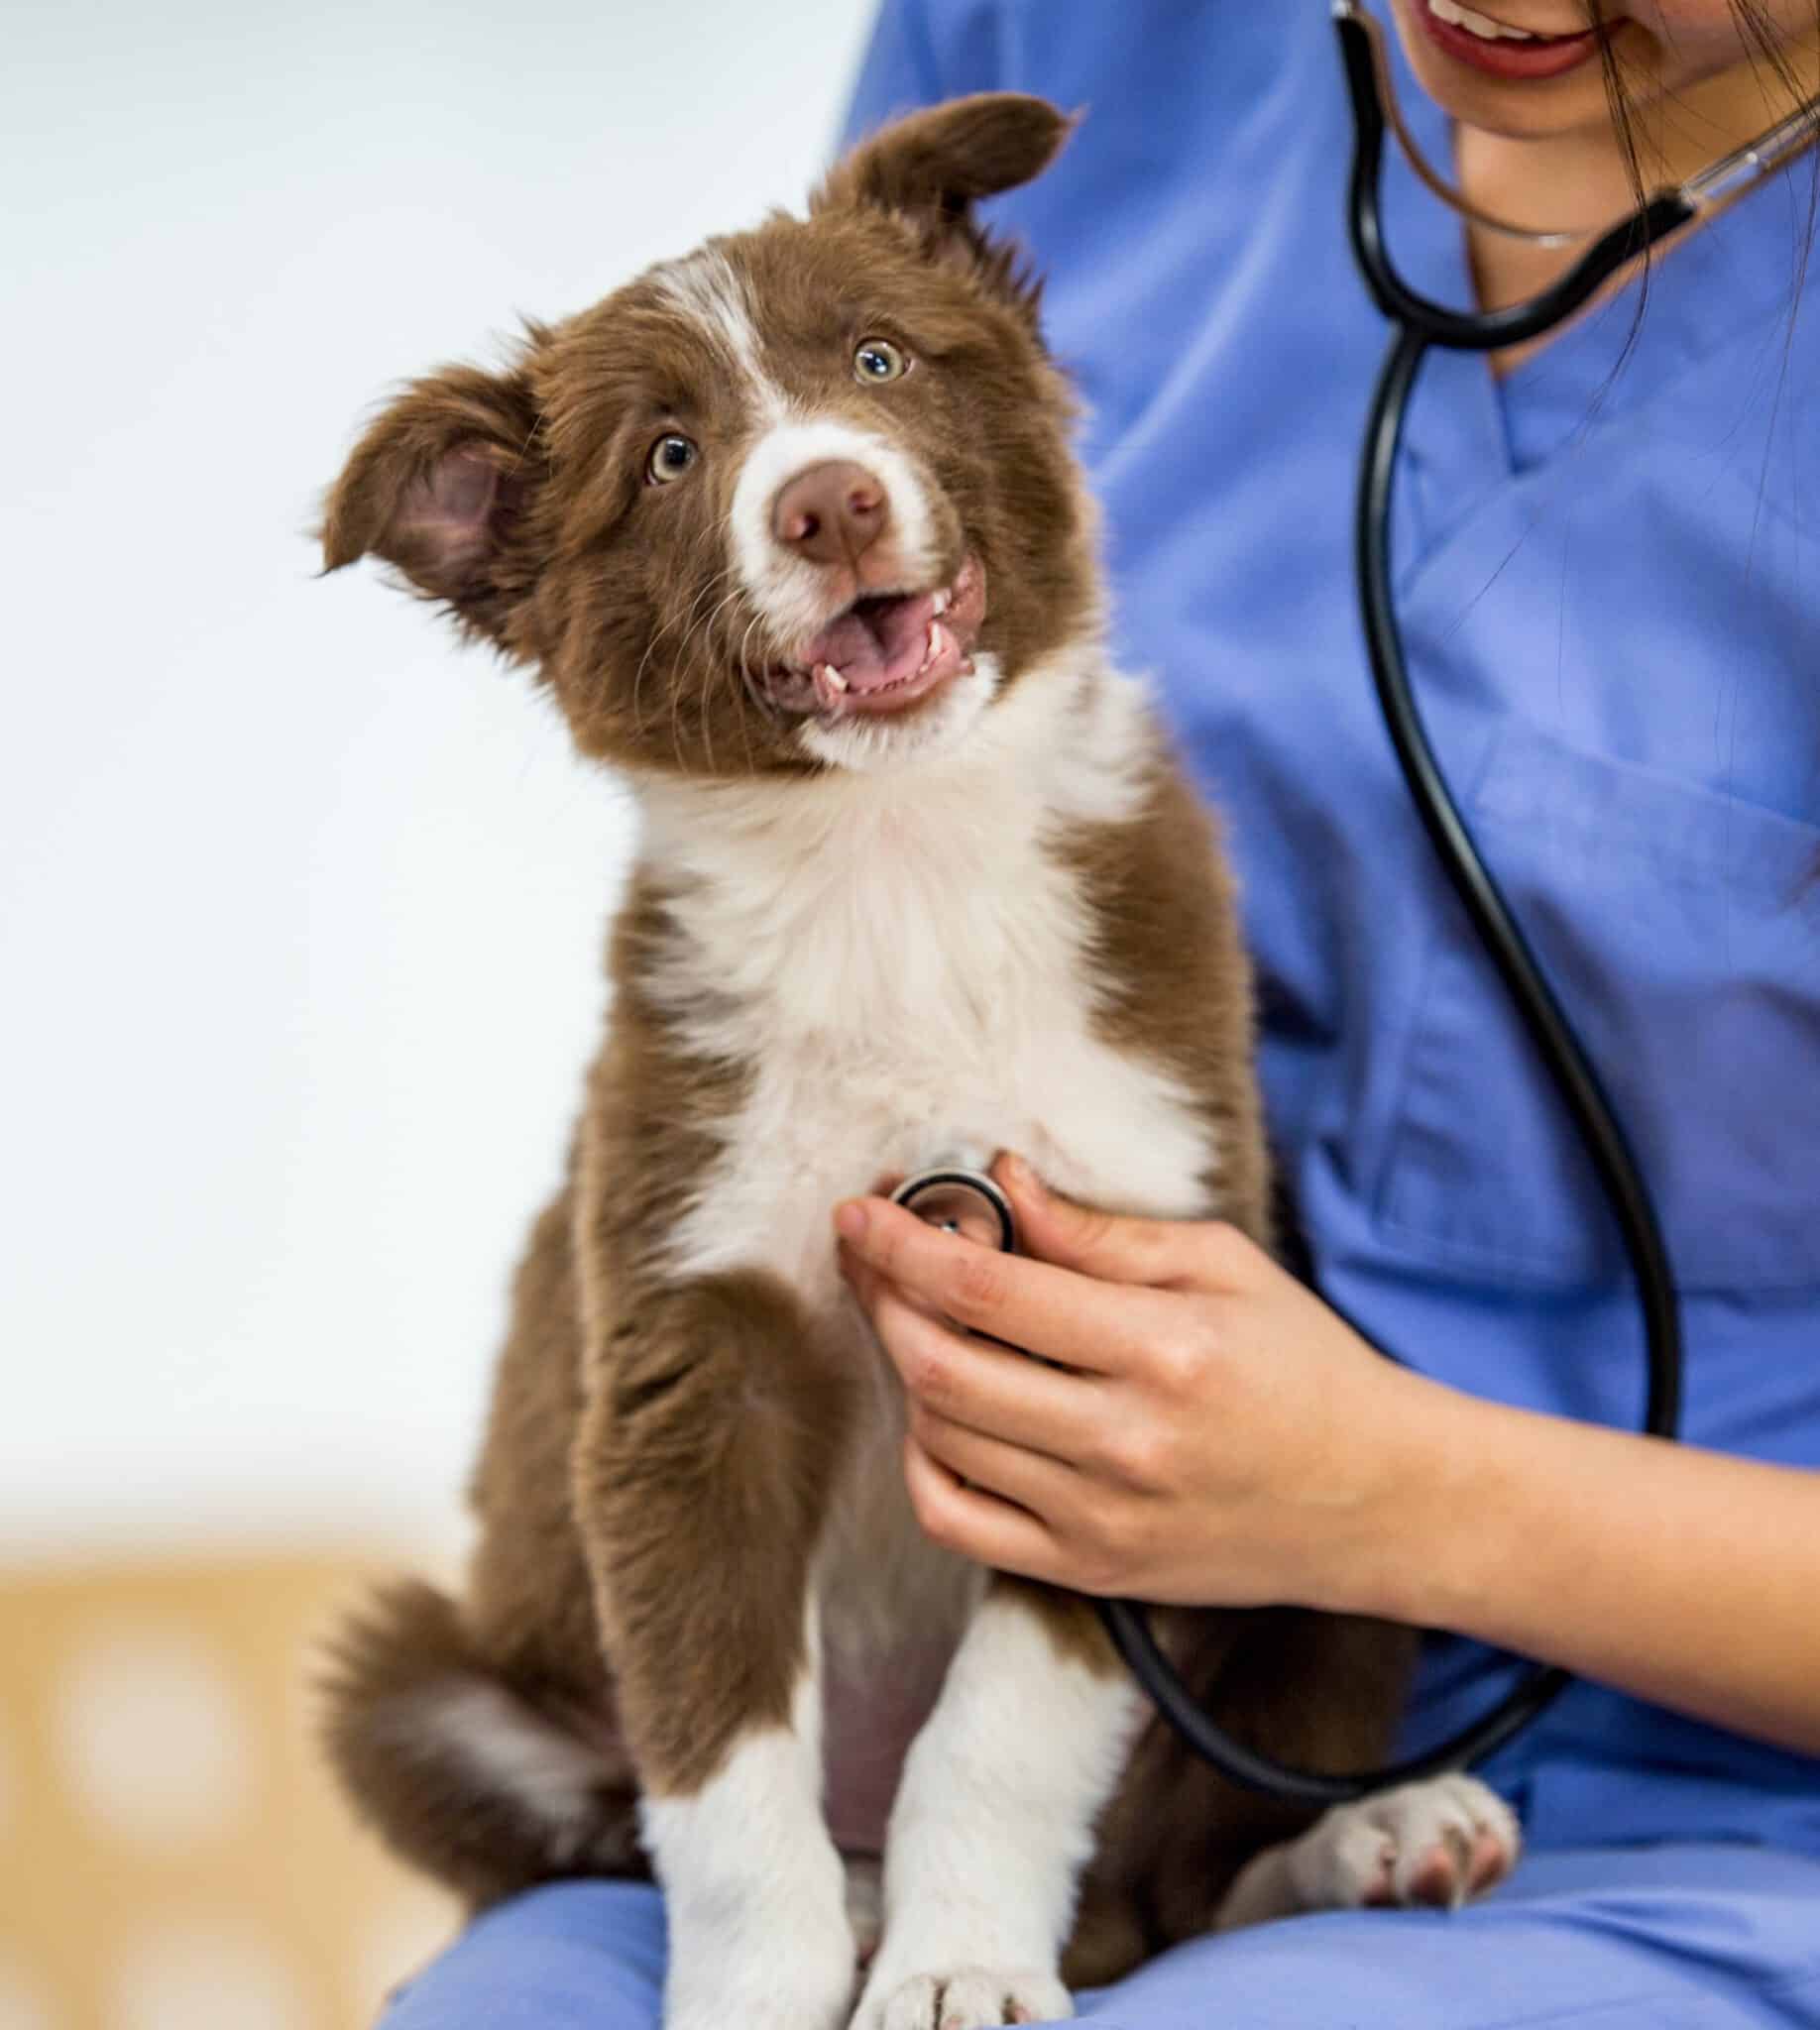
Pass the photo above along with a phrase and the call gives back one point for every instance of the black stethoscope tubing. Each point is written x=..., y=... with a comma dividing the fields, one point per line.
x=1423, y=323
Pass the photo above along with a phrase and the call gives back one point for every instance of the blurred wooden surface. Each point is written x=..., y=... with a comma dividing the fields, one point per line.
x=172, y=1855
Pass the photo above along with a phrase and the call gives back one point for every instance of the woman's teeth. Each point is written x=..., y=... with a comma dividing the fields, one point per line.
x=1478, y=23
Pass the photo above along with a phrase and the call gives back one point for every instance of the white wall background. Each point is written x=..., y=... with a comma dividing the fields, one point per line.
x=301, y=905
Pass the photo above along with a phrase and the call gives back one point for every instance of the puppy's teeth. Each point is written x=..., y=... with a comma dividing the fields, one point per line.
x=942, y=599
x=831, y=677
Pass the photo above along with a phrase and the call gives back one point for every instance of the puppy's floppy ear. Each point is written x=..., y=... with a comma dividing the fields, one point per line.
x=930, y=168
x=440, y=485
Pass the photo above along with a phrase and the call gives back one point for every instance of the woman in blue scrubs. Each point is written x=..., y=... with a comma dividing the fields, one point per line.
x=1608, y=587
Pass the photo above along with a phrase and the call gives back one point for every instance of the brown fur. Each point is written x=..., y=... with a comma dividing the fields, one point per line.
x=703, y=1469
x=1161, y=885
x=529, y=1601
x=662, y=1455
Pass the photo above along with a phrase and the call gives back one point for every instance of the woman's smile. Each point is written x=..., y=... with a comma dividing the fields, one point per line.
x=1503, y=48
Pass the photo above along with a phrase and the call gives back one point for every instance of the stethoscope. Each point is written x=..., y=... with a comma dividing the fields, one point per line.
x=971, y=1202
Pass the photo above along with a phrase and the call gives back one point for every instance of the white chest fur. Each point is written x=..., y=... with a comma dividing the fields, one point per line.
x=903, y=962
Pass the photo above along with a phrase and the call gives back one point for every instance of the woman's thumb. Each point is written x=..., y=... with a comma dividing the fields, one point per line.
x=1104, y=1245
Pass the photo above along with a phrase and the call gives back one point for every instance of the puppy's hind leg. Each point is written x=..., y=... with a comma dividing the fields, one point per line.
x=700, y=1479
x=1436, y=1843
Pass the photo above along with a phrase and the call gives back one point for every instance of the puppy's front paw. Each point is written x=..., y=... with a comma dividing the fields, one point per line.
x=1436, y=1843
x=802, y=1984
x=967, y=1998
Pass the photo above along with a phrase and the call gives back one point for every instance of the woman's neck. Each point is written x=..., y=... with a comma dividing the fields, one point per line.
x=1581, y=180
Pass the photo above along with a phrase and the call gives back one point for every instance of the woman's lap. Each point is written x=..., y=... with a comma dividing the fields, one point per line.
x=1674, y=1938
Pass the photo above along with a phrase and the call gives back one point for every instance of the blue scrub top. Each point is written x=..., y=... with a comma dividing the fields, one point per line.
x=1609, y=584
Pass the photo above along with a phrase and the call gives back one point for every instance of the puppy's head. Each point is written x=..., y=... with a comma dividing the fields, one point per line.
x=801, y=499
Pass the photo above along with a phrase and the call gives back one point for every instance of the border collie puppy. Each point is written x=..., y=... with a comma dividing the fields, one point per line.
x=792, y=530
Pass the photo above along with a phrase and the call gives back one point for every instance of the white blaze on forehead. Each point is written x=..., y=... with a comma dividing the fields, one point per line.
x=709, y=290
x=791, y=592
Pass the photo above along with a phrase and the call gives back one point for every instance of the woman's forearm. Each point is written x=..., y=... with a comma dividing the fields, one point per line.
x=1684, y=1577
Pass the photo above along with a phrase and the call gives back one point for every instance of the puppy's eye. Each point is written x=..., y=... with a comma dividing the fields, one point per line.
x=671, y=456
x=877, y=359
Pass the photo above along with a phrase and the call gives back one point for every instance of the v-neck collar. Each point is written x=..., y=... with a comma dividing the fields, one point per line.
x=1470, y=431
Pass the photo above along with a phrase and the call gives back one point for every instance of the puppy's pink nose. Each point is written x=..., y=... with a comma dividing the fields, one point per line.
x=831, y=514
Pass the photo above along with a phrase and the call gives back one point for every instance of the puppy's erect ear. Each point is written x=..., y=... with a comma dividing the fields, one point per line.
x=933, y=166
x=440, y=485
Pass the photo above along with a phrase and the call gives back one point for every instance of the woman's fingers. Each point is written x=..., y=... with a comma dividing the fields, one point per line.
x=1052, y=1311
x=1048, y=1487
x=995, y=1391
x=978, y=1526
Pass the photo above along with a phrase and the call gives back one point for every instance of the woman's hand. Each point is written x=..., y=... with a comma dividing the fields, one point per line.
x=1210, y=1431
x=1214, y=1435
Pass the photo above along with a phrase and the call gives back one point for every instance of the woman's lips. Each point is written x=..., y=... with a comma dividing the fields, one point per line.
x=1544, y=57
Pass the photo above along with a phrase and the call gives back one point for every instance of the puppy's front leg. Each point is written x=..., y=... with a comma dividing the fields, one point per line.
x=996, y=1817
x=704, y=1448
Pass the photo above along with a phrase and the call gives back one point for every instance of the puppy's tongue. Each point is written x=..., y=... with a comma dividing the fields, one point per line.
x=881, y=641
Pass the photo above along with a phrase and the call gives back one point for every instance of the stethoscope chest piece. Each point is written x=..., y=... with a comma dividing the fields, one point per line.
x=963, y=1201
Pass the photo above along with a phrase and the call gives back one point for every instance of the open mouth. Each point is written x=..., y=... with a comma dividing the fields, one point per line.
x=1500, y=47
x=888, y=650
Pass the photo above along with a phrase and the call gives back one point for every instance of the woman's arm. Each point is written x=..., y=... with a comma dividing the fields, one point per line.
x=1213, y=1433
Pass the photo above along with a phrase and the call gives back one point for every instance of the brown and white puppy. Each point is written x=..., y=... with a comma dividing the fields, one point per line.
x=792, y=530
